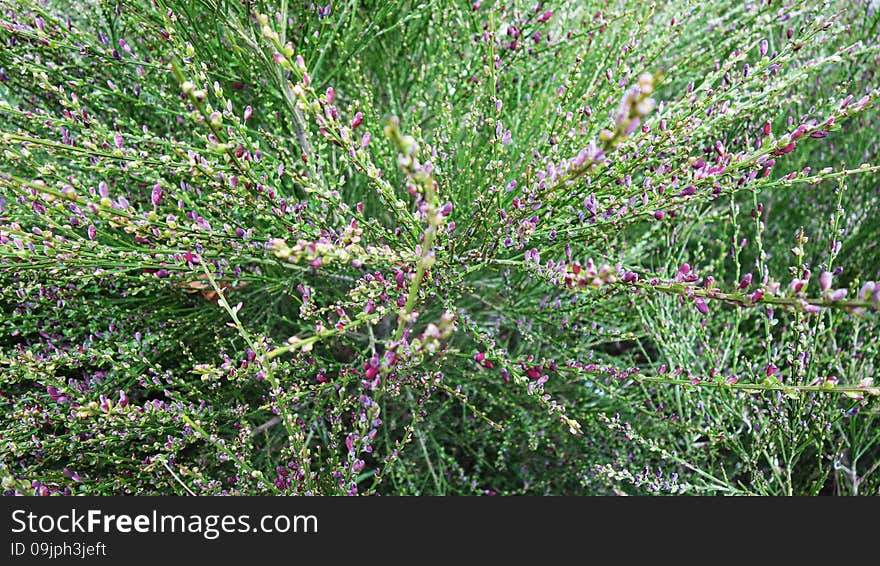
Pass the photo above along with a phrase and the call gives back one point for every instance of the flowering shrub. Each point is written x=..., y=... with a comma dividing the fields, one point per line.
x=439, y=247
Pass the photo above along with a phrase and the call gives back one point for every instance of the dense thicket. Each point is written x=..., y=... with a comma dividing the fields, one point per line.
x=439, y=247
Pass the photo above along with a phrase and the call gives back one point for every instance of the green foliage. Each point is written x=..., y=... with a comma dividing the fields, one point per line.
x=439, y=248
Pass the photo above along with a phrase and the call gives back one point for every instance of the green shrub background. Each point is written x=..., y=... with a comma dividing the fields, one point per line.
x=591, y=248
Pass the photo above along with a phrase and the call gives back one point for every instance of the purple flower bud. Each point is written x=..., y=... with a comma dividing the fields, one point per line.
x=71, y=474
x=782, y=151
x=156, y=194
x=825, y=281
x=764, y=47
x=248, y=112
x=746, y=281
x=632, y=126
x=798, y=132
x=579, y=159
x=357, y=120
x=330, y=94
x=701, y=305
x=92, y=232
x=545, y=16
x=837, y=294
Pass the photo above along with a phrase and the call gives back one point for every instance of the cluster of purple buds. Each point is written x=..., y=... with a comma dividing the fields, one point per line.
x=573, y=274
x=420, y=183
x=344, y=249
x=430, y=339
x=480, y=358
x=634, y=107
x=404, y=351
x=289, y=476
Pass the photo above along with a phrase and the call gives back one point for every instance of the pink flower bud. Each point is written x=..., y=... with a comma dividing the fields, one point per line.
x=248, y=112
x=357, y=120
x=545, y=16
x=764, y=47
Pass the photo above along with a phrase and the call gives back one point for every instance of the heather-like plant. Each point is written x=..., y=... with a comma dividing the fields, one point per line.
x=253, y=247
